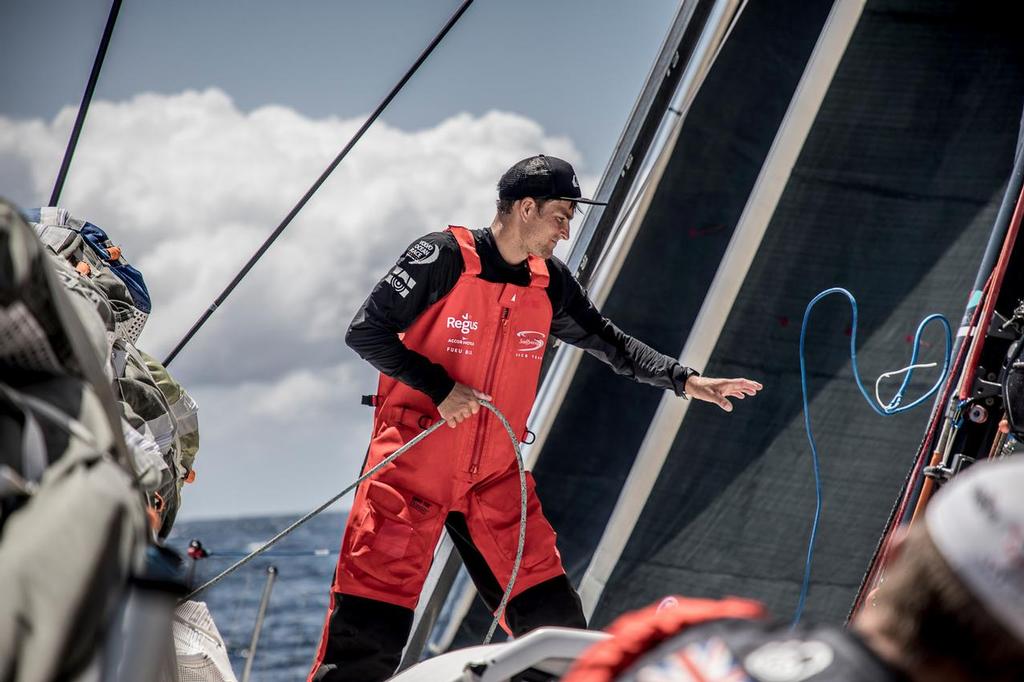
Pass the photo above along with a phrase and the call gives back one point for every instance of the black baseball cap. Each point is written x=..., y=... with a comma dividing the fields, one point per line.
x=542, y=177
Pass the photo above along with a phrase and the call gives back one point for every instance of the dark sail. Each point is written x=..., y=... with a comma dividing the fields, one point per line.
x=893, y=197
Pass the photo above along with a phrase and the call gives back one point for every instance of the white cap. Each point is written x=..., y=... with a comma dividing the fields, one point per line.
x=977, y=523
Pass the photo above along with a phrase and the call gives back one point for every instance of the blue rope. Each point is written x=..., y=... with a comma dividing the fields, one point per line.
x=891, y=408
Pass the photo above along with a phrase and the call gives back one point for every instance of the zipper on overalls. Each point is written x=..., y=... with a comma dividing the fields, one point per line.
x=481, y=433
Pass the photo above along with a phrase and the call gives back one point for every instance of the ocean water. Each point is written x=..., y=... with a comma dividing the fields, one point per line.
x=305, y=564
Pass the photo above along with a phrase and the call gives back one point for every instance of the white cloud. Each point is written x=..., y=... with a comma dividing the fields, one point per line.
x=190, y=186
x=297, y=393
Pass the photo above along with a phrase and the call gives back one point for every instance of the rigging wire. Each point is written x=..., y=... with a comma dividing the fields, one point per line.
x=319, y=181
x=83, y=108
x=884, y=409
x=516, y=446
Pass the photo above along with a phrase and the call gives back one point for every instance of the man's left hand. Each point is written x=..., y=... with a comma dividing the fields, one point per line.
x=718, y=391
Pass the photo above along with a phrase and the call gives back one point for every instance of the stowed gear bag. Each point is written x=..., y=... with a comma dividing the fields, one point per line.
x=163, y=414
x=91, y=252
x=72, y=522
x=160, y=421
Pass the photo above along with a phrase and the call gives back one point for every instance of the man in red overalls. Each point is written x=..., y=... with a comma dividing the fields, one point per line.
x=463, y=316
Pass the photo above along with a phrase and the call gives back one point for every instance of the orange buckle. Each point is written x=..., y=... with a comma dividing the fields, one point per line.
x=83, y=268
x=114, y=252
x=190, y=476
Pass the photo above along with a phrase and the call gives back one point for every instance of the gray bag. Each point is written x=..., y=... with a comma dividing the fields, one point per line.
x=72, y=519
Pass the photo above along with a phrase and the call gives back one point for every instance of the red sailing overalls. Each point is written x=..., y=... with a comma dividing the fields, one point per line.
x=489, y=336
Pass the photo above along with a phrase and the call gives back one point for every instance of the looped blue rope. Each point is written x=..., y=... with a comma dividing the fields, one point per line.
x=891, y=408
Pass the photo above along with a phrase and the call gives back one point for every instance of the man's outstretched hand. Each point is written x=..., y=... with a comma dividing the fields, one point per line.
x=718, y=391
x=461, y=404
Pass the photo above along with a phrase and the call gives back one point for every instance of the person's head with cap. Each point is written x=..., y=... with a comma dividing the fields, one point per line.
x=537, y=197
x=951, y=605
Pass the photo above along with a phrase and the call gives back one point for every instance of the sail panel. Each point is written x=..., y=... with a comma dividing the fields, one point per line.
x=892, y=197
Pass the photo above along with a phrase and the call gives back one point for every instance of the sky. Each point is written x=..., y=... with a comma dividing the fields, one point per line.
x=211, y=119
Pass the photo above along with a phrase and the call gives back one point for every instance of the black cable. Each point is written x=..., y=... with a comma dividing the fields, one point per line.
x=83, y=109
x=316, y=185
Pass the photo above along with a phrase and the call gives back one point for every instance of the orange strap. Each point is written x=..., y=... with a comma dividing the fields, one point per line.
x=539, y=275
x=640, y=631
x=470, y=258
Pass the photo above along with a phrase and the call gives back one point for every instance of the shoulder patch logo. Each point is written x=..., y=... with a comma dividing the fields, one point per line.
x=400, y=281
x=422, y=253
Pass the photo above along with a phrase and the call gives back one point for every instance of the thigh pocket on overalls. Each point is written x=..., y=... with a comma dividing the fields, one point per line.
x=499, y=505
x=396, y=533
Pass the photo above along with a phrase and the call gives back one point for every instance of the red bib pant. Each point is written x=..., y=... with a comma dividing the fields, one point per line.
x=489, y=336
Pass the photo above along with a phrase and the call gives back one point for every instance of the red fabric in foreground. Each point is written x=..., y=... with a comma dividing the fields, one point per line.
x=636, y=633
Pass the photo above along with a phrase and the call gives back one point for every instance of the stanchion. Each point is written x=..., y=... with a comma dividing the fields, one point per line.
x=260, y=616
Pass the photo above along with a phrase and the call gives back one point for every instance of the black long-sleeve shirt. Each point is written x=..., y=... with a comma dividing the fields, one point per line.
x=433, y=264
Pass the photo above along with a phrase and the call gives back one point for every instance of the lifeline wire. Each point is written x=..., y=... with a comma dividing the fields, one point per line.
x=316, y=185
x=387, y=460
x=884, y=409
x=83, y=108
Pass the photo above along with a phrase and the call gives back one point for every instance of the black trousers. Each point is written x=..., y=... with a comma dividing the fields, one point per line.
x=366, y=637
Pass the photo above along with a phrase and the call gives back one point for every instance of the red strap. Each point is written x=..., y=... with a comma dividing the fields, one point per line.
x=640, y=631
x=538, y=272
x=468, y=246
x=538, y=268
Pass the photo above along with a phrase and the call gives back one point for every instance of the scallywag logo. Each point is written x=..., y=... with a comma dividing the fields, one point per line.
x=464, y=324
x=529, y=344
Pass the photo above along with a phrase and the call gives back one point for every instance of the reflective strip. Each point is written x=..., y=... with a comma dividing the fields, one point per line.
x=145, y=453
x=52, y=215
x=186, y=412
x=162, y=428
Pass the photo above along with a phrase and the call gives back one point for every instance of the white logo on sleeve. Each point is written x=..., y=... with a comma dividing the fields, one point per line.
x=422, y=253
x=400, y=281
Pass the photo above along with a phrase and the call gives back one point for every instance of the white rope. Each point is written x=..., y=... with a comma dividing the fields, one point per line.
x=387, y=460
x=896, y=400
